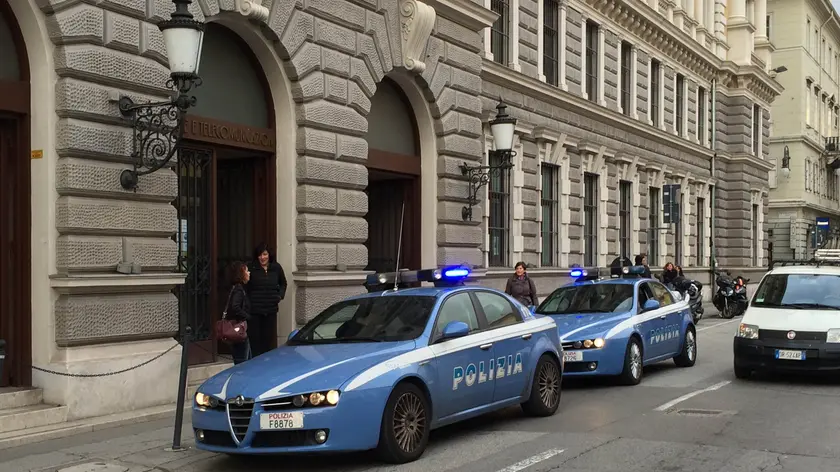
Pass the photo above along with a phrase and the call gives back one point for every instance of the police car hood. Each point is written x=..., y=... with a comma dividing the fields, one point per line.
x=577, y=327
x=291, y=370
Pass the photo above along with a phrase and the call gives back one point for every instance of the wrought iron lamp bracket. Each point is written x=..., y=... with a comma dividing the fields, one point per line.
x=157, y=128
x=479, y=176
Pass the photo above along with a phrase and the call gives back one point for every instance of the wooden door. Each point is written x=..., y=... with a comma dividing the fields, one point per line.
x=15, y=319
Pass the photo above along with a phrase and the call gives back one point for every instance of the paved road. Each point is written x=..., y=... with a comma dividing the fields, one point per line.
x=696, y=419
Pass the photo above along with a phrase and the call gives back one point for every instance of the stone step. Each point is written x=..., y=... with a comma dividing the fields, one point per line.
x=9, y=439
x=32, y=416
x=15, y=397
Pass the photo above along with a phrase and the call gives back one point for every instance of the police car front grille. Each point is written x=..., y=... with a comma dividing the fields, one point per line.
x=278, y=404
x=240, y=418
x=568, y=346
x=781, y=335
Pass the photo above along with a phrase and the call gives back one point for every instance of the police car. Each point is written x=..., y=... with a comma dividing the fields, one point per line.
x=614, y=325
x=793, y=320
x=382, y=369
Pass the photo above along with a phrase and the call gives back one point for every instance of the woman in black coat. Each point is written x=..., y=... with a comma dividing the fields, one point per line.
x=265, y=290
x=239, y=308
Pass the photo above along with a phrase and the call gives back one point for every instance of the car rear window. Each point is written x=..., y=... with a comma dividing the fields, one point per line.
x=799, y=291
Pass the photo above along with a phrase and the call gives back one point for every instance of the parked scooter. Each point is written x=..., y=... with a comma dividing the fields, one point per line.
x=731, y=295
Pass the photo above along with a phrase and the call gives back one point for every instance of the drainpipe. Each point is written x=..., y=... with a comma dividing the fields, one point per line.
x=712, y=259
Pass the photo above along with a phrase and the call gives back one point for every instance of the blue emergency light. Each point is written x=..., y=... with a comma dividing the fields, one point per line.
x=442, y=277
x=575, y=273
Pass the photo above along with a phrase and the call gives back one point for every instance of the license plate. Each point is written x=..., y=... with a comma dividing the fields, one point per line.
x=790, y=355
x=281, y=420
x=572, y=356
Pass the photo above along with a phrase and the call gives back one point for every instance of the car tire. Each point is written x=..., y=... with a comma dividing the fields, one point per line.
x=741, y=372
x=688, y=355
x=633, y=363
x=404, y=433
x=545, y=388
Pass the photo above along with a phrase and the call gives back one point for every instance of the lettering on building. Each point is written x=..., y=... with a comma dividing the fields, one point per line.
x=229, y=134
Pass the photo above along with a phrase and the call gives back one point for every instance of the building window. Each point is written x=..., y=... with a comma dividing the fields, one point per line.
x=680, y=104
x=678, y=236
x=701, y=115
x=625, y=193
x=701, y=231
x=755, y=235
x=592, y=61
x=626, y=77
x=767, y=27
x=550, y=205
x=655, y=91
x=808, y=35
x=498, y=225
x=551, y=41
x=756, y=130
x=653, y=225
x=590, y=216
x=500, y=32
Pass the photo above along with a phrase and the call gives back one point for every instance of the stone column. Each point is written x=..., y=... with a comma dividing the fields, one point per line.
x=562, y=59
x=738, y=10
x=618, y=75
x=541, y=41
x=514, y=37
x=601, y=69
x=634, y=83
x=583, y=93
x=739, y=34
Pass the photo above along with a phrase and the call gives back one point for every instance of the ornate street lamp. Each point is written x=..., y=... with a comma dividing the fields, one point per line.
x=502, y=129
x=786, y=163
x=158, y=126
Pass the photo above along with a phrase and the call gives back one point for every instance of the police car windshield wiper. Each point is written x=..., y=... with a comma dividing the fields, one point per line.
x=806, y=306
x=358, y=339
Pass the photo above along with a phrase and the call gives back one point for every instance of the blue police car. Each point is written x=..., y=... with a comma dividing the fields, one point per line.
x=382, y=369
x=615, y=325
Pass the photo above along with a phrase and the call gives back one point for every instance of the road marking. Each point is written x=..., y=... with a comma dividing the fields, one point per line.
x=690, y=395
x=532, y=460
x=716, y=325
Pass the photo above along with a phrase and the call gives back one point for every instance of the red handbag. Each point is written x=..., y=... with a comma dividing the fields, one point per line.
x=230, y=331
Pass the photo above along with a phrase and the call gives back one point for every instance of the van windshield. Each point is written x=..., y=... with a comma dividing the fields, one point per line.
x=799, y=291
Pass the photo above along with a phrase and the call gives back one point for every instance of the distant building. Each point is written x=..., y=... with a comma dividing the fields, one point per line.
x=804, y=199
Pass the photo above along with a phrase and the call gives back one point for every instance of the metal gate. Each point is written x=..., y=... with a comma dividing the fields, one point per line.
x=195, y=248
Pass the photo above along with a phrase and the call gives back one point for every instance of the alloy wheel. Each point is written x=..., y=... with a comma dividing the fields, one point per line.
x=548, y=383
x=690, y=345
x=635, y=360
x=409, y=421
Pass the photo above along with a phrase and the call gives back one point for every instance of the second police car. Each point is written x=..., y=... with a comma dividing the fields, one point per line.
x=614, y=326
x=382, y=369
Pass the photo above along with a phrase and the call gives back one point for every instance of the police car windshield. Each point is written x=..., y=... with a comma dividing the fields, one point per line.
x=371, y=319
x=799, y=292
x=590, y=298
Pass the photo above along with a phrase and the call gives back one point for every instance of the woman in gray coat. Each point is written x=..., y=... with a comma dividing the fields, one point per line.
x=521, y=287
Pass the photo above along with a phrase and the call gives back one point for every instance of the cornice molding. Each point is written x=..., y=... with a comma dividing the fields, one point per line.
x=467, y=13
x=679, y=46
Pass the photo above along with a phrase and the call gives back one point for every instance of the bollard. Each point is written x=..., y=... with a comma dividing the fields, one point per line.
x=2, y=357
x=182, y=392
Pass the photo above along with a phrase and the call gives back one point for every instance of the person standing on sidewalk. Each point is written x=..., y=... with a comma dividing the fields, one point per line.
x=238, y=308
x=521, y=287
x=265, y=290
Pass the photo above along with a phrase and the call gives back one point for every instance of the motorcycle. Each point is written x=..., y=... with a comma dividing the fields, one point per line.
x=731, y=296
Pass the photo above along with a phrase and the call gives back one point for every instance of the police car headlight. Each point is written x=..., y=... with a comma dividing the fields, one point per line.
x=747, y=331
x=313, y=399
x=205, y=400
x=598, y=343
x=833, y=336
x=332, y=397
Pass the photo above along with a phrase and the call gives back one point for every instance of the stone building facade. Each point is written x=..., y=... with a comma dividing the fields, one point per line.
x=367, y=110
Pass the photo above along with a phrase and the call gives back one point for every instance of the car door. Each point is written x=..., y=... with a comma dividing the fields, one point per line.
x=462, y=364
x=669, y=337
x=512, y=352
x=652, y=323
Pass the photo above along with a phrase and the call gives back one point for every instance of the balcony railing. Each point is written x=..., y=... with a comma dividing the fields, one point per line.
x=832, y=145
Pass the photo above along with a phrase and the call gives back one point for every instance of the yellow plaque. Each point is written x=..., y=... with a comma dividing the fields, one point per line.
x=37, y=154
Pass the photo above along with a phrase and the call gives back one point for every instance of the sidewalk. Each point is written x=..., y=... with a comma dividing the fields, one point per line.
x=134, y=448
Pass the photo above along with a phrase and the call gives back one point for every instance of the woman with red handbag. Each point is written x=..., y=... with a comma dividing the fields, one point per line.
x=233, y=327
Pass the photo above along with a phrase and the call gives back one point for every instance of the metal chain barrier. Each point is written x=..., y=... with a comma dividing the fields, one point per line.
x=107, y=374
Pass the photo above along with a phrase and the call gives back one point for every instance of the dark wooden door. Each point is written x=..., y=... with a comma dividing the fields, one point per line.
x=14, y=250
x=385, y=220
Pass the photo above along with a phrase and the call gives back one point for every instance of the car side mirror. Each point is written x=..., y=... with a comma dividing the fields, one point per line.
x=455, y=329
x=292, y=334
x=651, y=305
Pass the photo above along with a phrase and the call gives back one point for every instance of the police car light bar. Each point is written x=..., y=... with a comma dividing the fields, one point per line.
x=634, y=271
x=575, y=273
x=446, y=276
x=581, y=274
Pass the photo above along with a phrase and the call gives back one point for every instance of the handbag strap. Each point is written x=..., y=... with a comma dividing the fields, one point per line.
x=227, y=304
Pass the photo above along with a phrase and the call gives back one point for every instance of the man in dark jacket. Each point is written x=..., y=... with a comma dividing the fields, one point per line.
x=266, y=288
x=641, y=260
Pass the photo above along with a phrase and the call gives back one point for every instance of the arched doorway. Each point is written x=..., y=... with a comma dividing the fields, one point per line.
x=15, y=313
x=227, y=191
x=393, y=181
